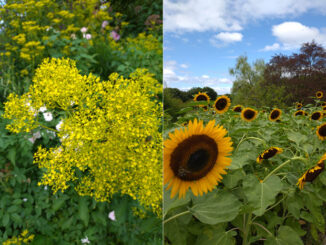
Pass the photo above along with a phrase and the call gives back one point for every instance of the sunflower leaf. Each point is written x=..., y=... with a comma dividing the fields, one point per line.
x=175, y=202
x=286, y=236
x=261, y=194
x=216, y=207
x=216, y=237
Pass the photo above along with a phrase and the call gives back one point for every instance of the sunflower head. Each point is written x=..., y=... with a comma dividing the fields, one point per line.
x=321, y=131
x=324, y=107
x=195, y=157
x=319, y=94
x=237, y=108
x=201, y=97
x=275, y=115
x=324, y=103
x=300, y=113
x=248, y=114
x=311, y=174
x=222, y=104
x=205, y=108
x=317, y=115
x=269, y=153
x=298, y=105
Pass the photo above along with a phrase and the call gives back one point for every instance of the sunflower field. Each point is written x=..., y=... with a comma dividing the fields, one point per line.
x=80, y=122
x=259, y=175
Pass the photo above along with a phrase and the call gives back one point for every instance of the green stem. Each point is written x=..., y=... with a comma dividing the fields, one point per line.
x=43, y=126
x=263, y=227
x=175, y=216
x=246, y=230
x=281, y=166
x=253, y=138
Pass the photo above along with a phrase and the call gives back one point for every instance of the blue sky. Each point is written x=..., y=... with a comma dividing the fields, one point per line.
x=202, y=39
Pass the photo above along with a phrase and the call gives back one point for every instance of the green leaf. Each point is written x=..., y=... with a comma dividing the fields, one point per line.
x=242, y=158
x=286, y=236
x=5, y=219
x=232, y=178
x=175, y=202
x=296, y=137
x=216, y=207
x=216, y=237
x=58, y=203
x=83, y=211
x=17, y=219
x=261, y=195
x=12, y=155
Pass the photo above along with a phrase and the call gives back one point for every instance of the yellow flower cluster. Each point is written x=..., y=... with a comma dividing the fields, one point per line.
x=21, y=239
x=110, y=137
x=145, y=43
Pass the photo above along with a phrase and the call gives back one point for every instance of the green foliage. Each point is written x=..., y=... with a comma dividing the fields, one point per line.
x=249, y=87
x=261, y=202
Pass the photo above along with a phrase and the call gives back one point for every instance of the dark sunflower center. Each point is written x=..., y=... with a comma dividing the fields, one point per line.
x=322, y=131
x=299, y=106
x=221, y=104
x=275, y=114
x=311, y=176
x=299, y=113
x=315, y=116
x=270, y=153
x=194, y=157
x=198, y=160
x=201, y=98
x=318, y=94
x=237, y=109
x=249, y=114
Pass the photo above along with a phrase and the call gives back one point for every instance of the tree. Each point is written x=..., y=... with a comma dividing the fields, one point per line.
x=195, y=90
x=301, y=74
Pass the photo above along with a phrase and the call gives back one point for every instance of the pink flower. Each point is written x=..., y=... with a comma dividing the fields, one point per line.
x=83, y=29
x=115, y=35
x=88, y=36
x=104, y=24
x=112, y=215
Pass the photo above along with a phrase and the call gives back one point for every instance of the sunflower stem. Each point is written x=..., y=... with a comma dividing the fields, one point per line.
x=247, y=229
x=176, y=216
x=281, y=166
x=264, y=228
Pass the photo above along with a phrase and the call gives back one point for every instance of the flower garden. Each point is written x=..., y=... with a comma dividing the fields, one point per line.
x=260, y=180
x=80, y=122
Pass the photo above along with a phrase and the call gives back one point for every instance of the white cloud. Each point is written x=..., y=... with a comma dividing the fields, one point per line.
x=226, y=15
x=292, y=35
x=272, y=47
x=184, y=66
x=205, y=76
x=224, y=38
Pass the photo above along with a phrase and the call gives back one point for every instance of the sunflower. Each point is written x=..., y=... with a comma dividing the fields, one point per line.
x=312, y=173
x=248, y=114
x=275, y=115
x=195, y=157
x=321, y=131
x=237, y=108
x=324, y=103
x=324, y=107
x=319, y=94
x=269, y=153
x=201, y=97
x=222, y=104
x=300, y=113
x=205, y=107
x=317, y=115
x=298, y=105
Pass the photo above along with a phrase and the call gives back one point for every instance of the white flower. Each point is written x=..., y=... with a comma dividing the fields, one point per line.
x=85, y=240
x=48, y=116
x=58, y=127
x=83, y=29
x=73, y=36
x=112, y=215
x=35, y=136
x=88, y=36
x=42, y=109
x=46, y=188
x=25, y=199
